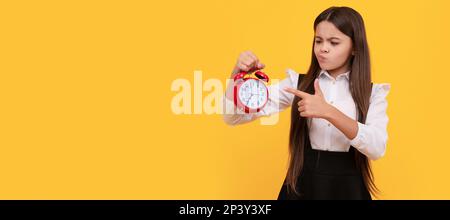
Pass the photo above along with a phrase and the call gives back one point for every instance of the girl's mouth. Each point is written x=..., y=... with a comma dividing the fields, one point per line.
x=321, y=59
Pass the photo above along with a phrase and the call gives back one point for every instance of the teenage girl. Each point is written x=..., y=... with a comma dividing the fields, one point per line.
x=338, y=117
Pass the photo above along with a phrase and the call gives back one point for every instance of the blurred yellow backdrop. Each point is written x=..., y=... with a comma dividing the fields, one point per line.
x=85, y=97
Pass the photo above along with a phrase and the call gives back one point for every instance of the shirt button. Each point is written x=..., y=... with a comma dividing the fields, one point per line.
x=329, y=124
x=331, y=102
x=334, y=82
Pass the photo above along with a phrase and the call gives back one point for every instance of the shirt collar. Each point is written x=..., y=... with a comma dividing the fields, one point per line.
x=325, y=73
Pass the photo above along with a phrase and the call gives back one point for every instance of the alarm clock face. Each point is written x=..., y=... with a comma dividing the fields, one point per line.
x=253, y=93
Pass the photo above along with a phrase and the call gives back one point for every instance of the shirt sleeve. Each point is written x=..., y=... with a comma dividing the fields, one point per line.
x=372, y=136
x=278, y=101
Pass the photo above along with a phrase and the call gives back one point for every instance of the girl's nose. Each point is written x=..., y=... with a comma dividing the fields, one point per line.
x=324, y=49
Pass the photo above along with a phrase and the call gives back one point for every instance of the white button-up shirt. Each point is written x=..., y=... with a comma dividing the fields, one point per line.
x=371, y=137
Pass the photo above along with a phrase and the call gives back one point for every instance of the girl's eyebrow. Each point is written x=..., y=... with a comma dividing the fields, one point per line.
x=331, y=38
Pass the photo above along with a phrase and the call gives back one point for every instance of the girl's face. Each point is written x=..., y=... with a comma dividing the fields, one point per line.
x=333, y=49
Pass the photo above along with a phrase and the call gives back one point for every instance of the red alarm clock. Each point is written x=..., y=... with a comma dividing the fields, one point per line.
x=251, y=93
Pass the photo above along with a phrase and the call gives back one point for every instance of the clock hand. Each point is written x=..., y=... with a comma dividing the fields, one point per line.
x=248, y=100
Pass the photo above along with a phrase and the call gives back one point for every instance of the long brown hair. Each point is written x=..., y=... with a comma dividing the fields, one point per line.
x=349, y=22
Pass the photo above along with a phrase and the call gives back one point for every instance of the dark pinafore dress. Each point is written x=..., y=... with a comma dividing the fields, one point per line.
x=328, y=175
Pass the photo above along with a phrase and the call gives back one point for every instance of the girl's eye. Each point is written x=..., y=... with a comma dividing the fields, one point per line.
x=334, y=43
x=317, y=41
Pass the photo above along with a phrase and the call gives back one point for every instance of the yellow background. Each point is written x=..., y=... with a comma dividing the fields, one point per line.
x=85, y=97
